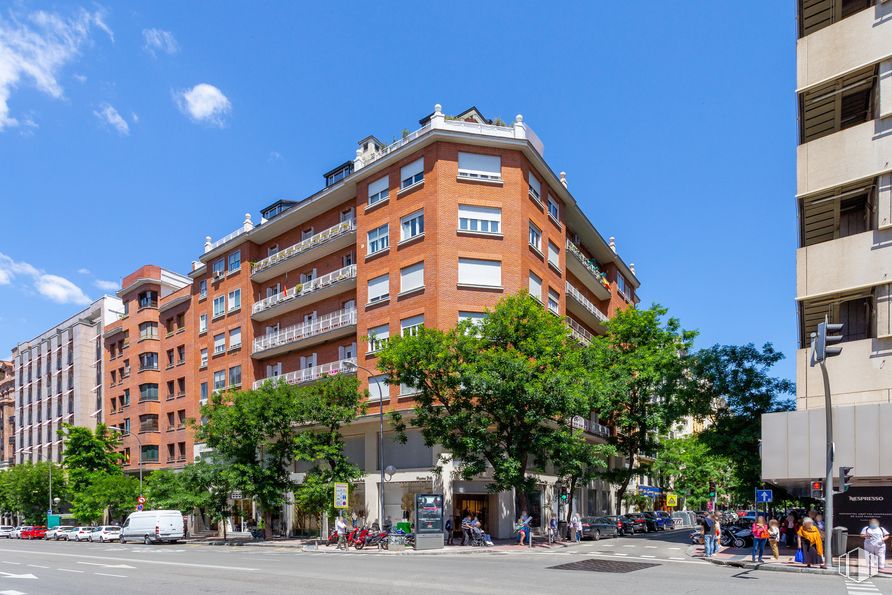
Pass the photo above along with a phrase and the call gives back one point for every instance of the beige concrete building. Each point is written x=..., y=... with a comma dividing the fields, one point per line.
x=844, y=259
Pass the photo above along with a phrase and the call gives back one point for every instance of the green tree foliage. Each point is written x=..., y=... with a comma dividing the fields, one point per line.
x=24, y=489
x=577, y=461
x=688, y=464
x=211, y=484
x=637, y=375
x=734, y=388
x=115, y=492
x=169, y=490
x=494, y=393
x=88, y=451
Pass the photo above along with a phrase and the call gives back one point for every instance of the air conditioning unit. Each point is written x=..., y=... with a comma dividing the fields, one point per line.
x=218, y=275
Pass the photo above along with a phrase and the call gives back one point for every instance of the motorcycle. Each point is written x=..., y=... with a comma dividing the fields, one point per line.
x=696, y=538
x=736, y=536
x=377, y=538
x=358, y=538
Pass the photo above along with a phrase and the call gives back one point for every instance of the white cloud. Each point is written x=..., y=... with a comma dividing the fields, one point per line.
x=83, y=271
x=274, y=156
x=135, y=117
x=204, y=103
x=56, y=288
x=35, y=47
x=107, y=285
x=159, y=40
x=80, y=78
x=110, y=116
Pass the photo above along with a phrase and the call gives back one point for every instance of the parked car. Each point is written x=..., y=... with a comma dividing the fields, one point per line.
x=79, y=534
x=637, y=521
x=58, y=532
x=17, y=534
x=668, y=521
x=6, y=531
x=105, y=533
x=654, y=523
x=623, y=526
x=36, y=532
x=597, y=527
x=153, y=526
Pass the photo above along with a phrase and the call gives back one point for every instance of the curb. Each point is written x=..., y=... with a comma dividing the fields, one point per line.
x=773, y=568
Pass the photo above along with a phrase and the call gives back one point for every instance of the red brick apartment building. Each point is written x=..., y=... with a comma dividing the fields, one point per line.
x=429, y=230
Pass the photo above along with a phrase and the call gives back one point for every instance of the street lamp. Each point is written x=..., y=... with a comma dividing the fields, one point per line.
x=139, y=444
x=50, y=509
x=349, y=364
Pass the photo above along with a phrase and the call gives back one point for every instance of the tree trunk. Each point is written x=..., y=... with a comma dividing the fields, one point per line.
x=624, y=486
x=267, y=525
x=570, y=497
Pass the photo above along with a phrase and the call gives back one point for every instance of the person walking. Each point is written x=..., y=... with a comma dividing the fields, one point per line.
x=577, y=528
x=875, y=538
x=552, y=530
x=790, y=534
x=525, y=531
x=760, y=536
x=707, y=527
x=341, y=528
x=447, y=528
x=466, y=529
x=774, y=537
x=810, y=543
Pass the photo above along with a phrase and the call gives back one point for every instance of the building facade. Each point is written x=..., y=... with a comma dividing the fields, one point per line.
x=7, y=413
x=59, y=379
x=844, y=259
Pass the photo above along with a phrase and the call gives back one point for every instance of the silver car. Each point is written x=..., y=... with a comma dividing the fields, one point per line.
x=57, y=533
x=105, y=533
x=6, y=531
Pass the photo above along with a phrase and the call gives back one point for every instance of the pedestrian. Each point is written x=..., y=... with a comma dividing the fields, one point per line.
x=577, y=528
x=708, y=529
x=774, y=537
x=810, y=543
x=448, y=529
x=552, y=530
x=388, y=524
x=790, y=533
x=524, y=523
x=875, y=538
x=760, y=536
x=466, y=528
x=341, y=528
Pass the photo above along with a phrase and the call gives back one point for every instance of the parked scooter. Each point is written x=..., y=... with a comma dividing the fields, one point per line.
x=358, y=538
x=736, y=536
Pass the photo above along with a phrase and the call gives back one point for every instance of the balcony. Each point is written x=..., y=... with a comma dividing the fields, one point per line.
x=336, y=324
x=586, y=311
x=584, y=269
x=848, y=155
x=578, y=332
x=311, y=374
x=306, y=293
x=590, y=427
x=325, y=242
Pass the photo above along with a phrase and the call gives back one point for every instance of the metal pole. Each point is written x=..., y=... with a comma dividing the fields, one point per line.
x=51, y=488
x=828, y=479
x=380, y=444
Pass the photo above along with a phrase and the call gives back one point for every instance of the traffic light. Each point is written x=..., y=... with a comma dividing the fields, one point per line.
x=824, y=340
x=712, y=489
x=817, y=490
x=564, y=497
x=845, y=477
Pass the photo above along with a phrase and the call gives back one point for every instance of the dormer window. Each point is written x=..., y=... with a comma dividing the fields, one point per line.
x=338, y=174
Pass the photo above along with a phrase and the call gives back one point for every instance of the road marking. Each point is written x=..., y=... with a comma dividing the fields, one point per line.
x=106, y=565
x=621, y=554
x=70, y=570
x=647, y=556
x=676, y=558
x=11, y=575
x=650, y=547
x=37, y=566
x=11, y=592
x=114, y=575
x=160, y=562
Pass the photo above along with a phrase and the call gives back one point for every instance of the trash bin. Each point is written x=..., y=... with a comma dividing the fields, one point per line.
x=840, y=540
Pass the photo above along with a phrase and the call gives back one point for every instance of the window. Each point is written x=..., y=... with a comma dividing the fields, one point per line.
x=235, y=338
x=181, y=354
x=219, y=380
x=379, y=288
x=148, y=330
x=308, y=361
x=379, y=390
x=347, y=351
x=412, y=174
x=479, y=219
x=202, y=289
x=203, y=398
x=485, y=273
x=379, y=239
x=219, y=306
x=306, y=234
x=378, y=337
x=409, y=326
x=148, y=392
x=235, y=261
x=235, y=376
x=148, y=361
x=347, y=215
x=126, y=427
x=554, y=255
x=219, y=267
x=125, y=399
x=272, y=250
x=170, y=358
x=479, y=167
x=553, y=211
x=475, y=317
x=204, y=358
x=535, y=187
x=406, y=389
x=347, y=259
x=148, y=299
x=378, y=190
x=149, y=453
x=412, y=225
x=235, y=300
x=535, y=237
x=553, y=300
x=412, y=277
x=203, y=323
x=219, y=343
x=535, y=287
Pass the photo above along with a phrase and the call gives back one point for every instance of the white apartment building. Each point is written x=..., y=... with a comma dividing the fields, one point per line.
x=844, y=259
x=58, y=379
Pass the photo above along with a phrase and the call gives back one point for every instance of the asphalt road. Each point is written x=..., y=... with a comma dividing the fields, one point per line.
x=640, y=564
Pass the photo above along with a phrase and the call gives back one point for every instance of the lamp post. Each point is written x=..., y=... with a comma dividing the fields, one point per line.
x=139, y=444
x=355, y=366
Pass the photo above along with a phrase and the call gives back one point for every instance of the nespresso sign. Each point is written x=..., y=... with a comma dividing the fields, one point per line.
x=854, y=508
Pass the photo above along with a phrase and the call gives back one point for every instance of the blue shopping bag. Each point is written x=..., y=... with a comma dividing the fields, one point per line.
x=800, y=559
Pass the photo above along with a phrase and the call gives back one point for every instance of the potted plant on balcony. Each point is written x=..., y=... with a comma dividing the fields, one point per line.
x=298, y=288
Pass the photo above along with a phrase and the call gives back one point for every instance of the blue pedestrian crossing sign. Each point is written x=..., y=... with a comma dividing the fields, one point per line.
x=764, y=496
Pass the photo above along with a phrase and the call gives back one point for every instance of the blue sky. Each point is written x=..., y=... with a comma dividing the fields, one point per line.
x=130, y=130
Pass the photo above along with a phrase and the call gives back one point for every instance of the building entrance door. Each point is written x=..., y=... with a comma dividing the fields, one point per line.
x=473, y=504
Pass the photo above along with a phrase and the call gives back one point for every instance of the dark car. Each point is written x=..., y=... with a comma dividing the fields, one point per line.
x=596, y=527
x=637, y=521
x=668, y=521
x=654, y=523
x=623, y=525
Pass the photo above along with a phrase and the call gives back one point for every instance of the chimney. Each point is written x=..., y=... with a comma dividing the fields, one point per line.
x=613, y=244
x=247, y=225
x=632, y=268
x=564, y=178
x=207, y=243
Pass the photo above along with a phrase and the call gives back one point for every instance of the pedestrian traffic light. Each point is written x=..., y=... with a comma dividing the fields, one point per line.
x=817, y=490
x=845, y=477
x=564, y=496
x=824, y=340
x=712, y=489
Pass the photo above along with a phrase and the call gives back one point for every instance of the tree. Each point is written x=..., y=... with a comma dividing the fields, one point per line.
x=637, y=375
x=27, y=490
x=577, y=461
x=734, y=389
x=689, y=465
x=167, y=490
x=88, y=451
x=493, y=393
x=212, y=484
x=115, y=493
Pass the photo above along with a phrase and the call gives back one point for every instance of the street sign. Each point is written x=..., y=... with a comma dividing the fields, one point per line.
x=671, y=499
x=340, y=495
x=139, y=507
x=764, y=496
x=141, y=500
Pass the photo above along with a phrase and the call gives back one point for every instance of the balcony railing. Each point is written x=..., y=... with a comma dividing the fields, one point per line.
x=589, y=426
x=301, y=289
x=600, y=277
x=343, y=228
x=576, y=295
x=292, y=334
x=312, y=374
x=579, y=333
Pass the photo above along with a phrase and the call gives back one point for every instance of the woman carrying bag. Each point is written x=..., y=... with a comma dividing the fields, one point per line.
x=811, y=546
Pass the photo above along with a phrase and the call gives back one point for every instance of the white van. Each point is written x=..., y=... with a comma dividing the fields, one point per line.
x=153, y=526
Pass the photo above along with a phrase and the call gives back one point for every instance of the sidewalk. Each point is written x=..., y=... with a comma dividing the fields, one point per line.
x=742, y=557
